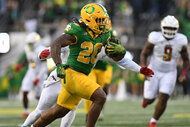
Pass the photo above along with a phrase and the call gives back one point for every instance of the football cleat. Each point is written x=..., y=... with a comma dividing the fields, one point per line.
x=144, y=104
x=24, y=115
x=152, y=124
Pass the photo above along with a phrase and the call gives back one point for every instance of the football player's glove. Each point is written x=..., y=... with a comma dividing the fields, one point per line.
x=35, y=82
x=146, y=71
x=114, y=48
x=44, y=54
x=61, y=71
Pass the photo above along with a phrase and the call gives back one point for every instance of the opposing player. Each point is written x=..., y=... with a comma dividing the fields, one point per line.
x=34, y=77
x=165, y=48
x=50, y=92
x=85, y=40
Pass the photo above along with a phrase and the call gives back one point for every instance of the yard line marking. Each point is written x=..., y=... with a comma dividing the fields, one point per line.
x=19, y=111
x=181, y=115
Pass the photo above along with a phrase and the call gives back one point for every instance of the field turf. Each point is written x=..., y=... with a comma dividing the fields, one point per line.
x=126, y=113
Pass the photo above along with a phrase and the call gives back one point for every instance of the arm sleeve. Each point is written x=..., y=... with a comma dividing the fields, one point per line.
x=129, y=64
x=62, y=50
x=125, y=63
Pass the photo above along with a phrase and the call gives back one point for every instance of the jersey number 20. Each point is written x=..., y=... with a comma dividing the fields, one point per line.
x=90, y=52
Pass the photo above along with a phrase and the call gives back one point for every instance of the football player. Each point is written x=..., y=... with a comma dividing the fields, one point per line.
x=165, y=48
x=52, y=87
x=85, y=39
x=33, y=77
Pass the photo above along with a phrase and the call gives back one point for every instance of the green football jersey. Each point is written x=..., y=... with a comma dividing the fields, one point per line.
x=83, y=52
x=101, y=65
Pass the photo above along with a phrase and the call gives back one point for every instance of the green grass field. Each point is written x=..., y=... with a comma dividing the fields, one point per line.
x=116, y=114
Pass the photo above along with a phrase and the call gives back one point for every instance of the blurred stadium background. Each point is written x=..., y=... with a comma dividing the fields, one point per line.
x=132, y=19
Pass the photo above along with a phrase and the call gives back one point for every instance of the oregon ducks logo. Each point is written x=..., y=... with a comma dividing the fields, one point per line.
x=90, y=9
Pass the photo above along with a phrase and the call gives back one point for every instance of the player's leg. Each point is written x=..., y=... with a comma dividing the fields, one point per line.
x=58, y=111
x=70, y=95
x=161, y=105
x=42, y=78
x=47, y=100
x=98, y=98
x=147, y=102
x=26, y=87
x=166, y=88
x=150, y=91
x=105, y=84
x=25, y=104
x=84, y=87
x=87, y=103
x=50, y=115
x=38, y=90
x=67, y=120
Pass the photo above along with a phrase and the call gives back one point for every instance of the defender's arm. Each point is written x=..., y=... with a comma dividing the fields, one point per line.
x=147, y=50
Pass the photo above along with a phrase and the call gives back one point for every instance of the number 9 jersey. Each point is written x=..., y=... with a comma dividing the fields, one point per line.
x=166, y=52
x=83, y=52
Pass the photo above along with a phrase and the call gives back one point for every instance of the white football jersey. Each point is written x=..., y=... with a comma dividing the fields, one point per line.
x=166, y=52
x=32, y=54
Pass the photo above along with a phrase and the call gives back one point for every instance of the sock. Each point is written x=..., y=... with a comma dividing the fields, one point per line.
x=26, y=110
x=153, y=120
x=33, y=116
x=68, y=119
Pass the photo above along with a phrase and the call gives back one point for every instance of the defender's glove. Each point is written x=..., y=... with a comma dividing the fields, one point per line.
x=18, y=67
x=44, y=54
x=182, y=77
x=146, y=71
x=61, y=71
x=35, y=82
x=115, y=48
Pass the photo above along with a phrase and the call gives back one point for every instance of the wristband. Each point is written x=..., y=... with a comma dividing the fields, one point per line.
x=184, y=72
x=57, y=64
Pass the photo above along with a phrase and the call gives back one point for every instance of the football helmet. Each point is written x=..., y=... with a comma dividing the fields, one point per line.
x=169, y=26
x=95, y=16
x=32, y=38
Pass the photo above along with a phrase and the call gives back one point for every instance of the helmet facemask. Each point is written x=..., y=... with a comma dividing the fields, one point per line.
x=103, y=24
x=169, y=32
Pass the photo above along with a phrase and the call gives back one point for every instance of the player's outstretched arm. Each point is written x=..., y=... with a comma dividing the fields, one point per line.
x=125, y=62
x=62, y=41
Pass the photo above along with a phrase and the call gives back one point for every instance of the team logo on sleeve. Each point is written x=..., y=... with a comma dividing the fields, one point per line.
x=68, y=28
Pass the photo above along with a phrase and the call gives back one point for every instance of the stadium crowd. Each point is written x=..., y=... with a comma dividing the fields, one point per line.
x=41, y=15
